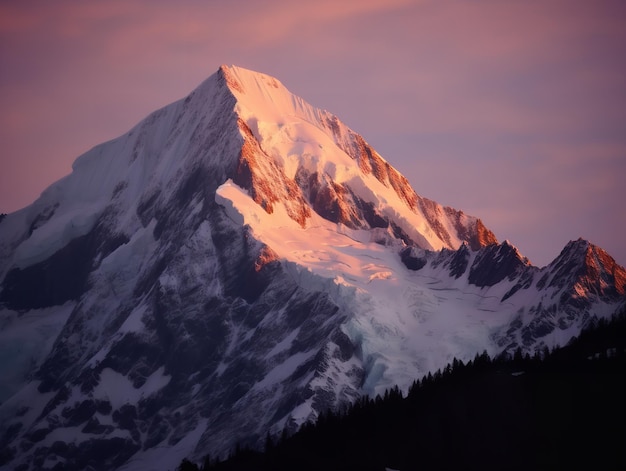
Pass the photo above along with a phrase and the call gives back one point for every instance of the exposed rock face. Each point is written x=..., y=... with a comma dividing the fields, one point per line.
x=239, y=262
x=590, y=269
x=496, y=263
x=266, y=181
x=480, y=236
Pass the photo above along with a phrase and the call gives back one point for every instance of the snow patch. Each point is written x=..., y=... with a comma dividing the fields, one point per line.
x=284, y=370
x=55, y=234
x=119, y=390
x=284, y=344
x=222, y=198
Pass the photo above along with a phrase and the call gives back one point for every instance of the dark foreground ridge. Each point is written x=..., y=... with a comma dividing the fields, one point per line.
x=563, y=409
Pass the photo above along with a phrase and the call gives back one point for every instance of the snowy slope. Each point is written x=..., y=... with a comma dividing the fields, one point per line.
x=239, y=262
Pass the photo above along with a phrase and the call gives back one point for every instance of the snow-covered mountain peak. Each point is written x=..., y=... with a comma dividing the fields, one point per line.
x=239, y=262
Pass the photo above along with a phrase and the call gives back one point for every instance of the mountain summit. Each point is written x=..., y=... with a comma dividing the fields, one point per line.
x=237, y=263
x=307, y=161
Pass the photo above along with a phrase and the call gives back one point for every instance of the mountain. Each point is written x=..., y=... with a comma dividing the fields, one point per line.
x=239, y=262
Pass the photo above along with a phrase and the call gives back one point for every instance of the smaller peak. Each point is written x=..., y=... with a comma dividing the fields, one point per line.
x=509, y=245
x=592, y=268
x=495, y=263
x=510, y=248
x=582, y=253
x=580, y=242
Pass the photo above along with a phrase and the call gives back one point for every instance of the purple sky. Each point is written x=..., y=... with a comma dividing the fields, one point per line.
x=513, y=111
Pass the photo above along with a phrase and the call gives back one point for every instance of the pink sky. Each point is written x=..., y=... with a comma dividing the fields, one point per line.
x=513, y=111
